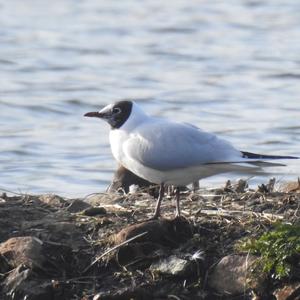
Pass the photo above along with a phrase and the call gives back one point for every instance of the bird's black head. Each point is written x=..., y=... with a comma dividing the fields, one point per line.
x=114, y=114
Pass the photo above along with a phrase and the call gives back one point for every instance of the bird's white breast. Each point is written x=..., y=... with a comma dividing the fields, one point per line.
x=117, y=138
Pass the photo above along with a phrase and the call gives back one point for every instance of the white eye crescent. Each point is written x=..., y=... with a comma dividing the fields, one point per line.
x=116, y=110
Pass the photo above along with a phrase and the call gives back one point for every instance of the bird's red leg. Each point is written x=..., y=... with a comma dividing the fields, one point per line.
x=158, y=203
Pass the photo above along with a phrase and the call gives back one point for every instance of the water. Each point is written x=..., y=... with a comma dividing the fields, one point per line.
x=230, y=67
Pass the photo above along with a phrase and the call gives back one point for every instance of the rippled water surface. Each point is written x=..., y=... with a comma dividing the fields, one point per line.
x=230, y=67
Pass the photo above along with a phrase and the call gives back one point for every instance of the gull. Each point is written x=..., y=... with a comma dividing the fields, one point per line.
x=171, y=153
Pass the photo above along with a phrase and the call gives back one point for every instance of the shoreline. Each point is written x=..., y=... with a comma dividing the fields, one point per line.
x=53, y=248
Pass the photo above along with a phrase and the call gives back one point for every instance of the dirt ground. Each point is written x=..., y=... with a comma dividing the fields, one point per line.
x=103, y=247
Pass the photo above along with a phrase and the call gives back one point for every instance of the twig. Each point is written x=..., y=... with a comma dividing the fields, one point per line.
x=173, y=297
x=112, y=249
x=236, y=213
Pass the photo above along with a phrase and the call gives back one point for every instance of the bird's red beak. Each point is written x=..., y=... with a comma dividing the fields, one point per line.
x=94, y=114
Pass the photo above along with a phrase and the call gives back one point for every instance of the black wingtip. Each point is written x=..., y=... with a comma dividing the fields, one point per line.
x=251, y=155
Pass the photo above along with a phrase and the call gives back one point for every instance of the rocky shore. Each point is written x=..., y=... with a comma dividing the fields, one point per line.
x=103, y=247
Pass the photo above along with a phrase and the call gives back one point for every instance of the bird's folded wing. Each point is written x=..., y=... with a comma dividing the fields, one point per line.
x=166, y=146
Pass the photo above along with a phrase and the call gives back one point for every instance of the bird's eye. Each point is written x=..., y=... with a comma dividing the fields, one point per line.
x=116, y=110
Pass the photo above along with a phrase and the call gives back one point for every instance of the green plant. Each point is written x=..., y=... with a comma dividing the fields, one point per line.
x=279, y=250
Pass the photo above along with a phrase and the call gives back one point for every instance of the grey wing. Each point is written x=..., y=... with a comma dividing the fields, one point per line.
x=170, y=145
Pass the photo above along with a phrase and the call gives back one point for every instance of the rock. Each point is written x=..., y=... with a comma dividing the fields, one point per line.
x=169, y=233
x=22, y=283
x=24, y=256
x=231, y=274
x=22, y=250
x=53, y=200
x=154, y=237
x=93, y=211
x=65, y=231
x=172, y=265
x=77, y=206
x=104, y=199
x=137, y=255
x=288, y=292
x=32, y=266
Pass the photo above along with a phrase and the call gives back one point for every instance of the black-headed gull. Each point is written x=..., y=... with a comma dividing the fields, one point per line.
x=166, y=152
